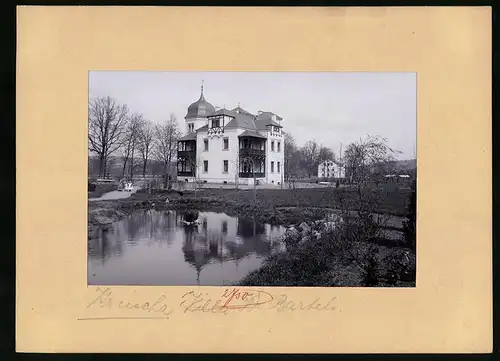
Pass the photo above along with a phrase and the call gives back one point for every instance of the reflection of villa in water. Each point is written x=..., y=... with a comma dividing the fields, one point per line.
x=151, y=246
x=219, y=237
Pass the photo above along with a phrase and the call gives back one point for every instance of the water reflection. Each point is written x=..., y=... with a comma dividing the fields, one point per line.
x=163, y=248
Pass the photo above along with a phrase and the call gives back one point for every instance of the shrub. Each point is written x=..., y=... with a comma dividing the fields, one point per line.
x=400, y=266
x=409, y=226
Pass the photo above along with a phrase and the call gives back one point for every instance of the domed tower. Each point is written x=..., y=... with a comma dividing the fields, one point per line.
x=197, y=113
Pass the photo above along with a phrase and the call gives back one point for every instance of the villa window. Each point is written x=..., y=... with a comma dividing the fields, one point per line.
x=279, y=148
x=272, y=146
x=272, y=167
x=226, y=166
x=205, y=142
x=216, y=123
x=226, y=143
x=191, y=127
x=278, y=165
x=205, y=166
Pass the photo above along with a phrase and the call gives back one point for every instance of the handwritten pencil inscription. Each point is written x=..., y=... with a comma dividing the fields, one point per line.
x=105, y=299
x=230, y=300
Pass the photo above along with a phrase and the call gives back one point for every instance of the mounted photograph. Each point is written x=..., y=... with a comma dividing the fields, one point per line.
x=303, y=179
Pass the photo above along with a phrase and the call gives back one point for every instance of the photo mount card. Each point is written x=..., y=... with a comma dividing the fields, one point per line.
x=59, y=309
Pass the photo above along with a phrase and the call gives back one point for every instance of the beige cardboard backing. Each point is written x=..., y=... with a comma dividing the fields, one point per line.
x=449, y=310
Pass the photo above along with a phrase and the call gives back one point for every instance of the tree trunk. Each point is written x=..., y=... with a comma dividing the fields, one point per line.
x=165, y=176
x=125, y=160
x=144, y=165
x=102, y=164
x=132, y=164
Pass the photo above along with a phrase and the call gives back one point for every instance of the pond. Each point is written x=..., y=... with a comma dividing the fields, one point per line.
x=158, y=248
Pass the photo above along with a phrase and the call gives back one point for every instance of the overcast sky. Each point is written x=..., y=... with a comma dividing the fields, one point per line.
x=331, y=108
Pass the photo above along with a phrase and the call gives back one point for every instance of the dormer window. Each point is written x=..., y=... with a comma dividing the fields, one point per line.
x=216, y=123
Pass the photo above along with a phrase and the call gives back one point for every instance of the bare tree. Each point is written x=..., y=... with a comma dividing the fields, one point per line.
x=131, y=140
x=310, y=156
x=107, y=124
x=325, y=153
x=146, y=143
x=292, y=156
x=360, y=210
x=362, y=157
x=165, y=149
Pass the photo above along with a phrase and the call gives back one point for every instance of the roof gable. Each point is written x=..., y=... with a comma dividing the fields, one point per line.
x=242, y=121
x=240, y=110
x=268, y=115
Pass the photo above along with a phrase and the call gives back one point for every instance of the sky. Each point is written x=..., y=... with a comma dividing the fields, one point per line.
x=334, y=109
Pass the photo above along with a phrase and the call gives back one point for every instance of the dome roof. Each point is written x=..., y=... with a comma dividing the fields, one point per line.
x=201, y=108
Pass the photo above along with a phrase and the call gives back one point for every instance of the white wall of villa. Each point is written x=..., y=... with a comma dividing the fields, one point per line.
x=223, y=161
x=216, y=155
x=275, y=157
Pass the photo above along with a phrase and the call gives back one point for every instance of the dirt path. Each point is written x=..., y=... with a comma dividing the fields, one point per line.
x=113, y=195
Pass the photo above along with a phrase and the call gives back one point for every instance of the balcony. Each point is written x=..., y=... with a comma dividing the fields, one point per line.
x=186, y=154
x=249, y=152
x=250, y=175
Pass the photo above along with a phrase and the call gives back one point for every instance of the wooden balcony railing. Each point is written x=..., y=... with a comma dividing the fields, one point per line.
x=250, y=175
x=186, y=154
x=249, y=152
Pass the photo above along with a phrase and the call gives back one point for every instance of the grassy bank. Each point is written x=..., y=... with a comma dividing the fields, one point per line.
x=278, y=207
x=350, y=255
x=389, y=201
x=325, y=258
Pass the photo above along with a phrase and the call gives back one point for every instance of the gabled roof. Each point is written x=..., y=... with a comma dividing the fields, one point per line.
x=245, y=120
x=189, y=136
x=240, y=110
x=272, y=122
x=251, y=133
x=268, y=115
x=266, y=118
x=242, y=121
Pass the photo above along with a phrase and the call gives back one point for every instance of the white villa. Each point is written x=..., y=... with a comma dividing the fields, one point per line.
x=229, y=146
x=330, y=169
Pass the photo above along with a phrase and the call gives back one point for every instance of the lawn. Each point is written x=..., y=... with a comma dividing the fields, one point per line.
x=389, y=201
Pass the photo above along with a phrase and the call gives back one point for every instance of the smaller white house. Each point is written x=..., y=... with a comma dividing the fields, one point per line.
x=330, y=169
